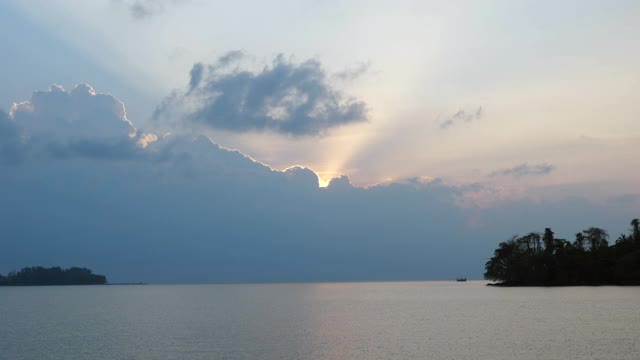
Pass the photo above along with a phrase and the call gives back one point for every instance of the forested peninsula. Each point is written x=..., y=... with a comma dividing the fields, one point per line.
x=37, y=275
x=539, y=259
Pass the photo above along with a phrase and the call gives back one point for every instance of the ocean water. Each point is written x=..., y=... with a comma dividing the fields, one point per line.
x=386, y=320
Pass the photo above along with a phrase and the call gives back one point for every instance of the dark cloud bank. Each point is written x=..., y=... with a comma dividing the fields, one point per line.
x=81, y=185
x=285, y=97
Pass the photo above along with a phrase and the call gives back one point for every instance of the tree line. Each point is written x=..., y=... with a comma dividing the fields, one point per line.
x=539, y=259
x=37, y=275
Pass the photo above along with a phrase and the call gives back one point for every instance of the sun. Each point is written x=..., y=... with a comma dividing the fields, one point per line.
x=323, y=183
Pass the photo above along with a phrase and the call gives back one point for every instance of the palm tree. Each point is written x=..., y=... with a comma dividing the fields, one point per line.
x=623, y=239
x=597, y=237
x=579, y=243
x=548, y=241
x=635, y=224
x=534, y=240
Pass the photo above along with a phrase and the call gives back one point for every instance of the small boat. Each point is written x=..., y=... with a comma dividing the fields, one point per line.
x=461, y=279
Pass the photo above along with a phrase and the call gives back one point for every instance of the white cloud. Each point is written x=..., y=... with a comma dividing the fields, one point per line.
x=76, y=123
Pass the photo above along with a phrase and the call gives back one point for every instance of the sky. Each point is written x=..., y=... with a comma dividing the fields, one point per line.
x=246, y=141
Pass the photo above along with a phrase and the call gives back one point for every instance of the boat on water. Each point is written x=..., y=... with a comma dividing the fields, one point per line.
x=461, y=279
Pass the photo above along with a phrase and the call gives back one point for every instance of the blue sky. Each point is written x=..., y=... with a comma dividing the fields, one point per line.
x=192, y=141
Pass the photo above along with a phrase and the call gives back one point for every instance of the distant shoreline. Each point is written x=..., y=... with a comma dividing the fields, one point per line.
x=128, y=283
x=500, y=285
x=41, y=276
x=560, y=285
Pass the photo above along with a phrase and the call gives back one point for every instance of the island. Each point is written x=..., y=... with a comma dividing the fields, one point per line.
x=37, y=275
x=539, y=259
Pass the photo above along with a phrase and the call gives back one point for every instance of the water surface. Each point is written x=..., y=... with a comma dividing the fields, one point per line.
x=393, y=320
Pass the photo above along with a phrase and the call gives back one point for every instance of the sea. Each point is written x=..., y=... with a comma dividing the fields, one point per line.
x=366, y=320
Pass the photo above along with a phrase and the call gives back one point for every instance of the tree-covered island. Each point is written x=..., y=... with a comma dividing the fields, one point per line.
x=38, y=275
x=542, y=260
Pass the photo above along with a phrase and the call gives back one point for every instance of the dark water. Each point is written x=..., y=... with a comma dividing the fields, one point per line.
x=416, y=320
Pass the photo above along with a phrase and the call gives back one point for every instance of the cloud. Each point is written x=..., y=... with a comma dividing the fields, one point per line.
x=341, y=183
x=11, y=143
x=185, y=202
x=67, y=124
x=78, y=112
x=180, y=208
x=230, y=57
x=285, y=97
x=196, y=74
x=353, y=73
x=92, y=148
x=461, y=116
x=143, y=9
x=525, y=170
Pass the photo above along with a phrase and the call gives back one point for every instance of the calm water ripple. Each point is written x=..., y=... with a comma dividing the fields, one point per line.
x=412, y=320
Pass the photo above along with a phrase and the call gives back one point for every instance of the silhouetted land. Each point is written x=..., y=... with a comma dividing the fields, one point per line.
x=542, y=260
x=38, y=275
